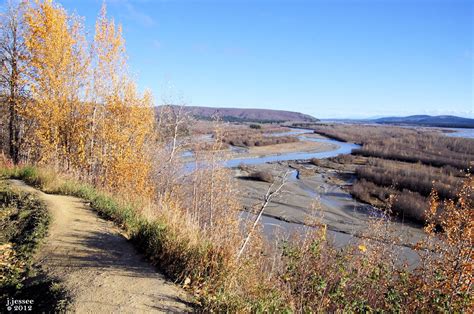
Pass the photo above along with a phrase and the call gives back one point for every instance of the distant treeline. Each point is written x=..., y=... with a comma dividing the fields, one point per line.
x=305, y=125
x=431, y=150
x=255, y=135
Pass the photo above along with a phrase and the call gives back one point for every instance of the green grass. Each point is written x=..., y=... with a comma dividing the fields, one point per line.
x=152, y=238
x=40, y=179
x=123, y=214
x=24, y=223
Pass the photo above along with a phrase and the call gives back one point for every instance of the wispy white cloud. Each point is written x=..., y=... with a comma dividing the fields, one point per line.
x=139, y=16
x=133, y=12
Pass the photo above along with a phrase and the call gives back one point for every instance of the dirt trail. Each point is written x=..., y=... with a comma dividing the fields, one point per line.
x=99, y=267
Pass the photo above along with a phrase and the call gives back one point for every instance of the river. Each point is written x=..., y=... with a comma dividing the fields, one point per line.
x=342, y=148
x=457, y=132
x=337, y=203
x=344, y=215
x=336, y=197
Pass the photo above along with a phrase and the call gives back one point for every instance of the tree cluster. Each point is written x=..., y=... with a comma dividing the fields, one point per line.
x=71, y=103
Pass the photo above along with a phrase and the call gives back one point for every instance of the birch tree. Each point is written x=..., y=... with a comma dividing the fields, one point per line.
x=13, y=85
x=57, y=70
x=122, y=118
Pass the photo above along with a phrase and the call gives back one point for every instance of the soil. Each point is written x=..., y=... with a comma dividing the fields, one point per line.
x=97, y=265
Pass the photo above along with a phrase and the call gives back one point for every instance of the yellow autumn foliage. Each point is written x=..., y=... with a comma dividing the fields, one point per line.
x=86, y=112
x=57, y=69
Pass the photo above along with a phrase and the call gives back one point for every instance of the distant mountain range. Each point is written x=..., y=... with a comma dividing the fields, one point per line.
x=416, y=120
x=248, y=115
x=425, y=120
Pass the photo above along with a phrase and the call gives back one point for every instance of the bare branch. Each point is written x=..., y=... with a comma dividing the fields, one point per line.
x=271, y=192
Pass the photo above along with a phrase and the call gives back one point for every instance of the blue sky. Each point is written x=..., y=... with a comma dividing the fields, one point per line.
x=330, y=59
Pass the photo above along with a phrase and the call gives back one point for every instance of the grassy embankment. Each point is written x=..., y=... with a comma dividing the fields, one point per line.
x=24, y=223
x=176, y=252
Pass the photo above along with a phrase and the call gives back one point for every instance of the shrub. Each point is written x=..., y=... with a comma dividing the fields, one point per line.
x=405, y=204
x=265, y=176
x=39, y=177
x=255, y=139
x=245, y=168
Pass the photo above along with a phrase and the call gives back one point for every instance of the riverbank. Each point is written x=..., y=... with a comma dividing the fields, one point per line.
x=314, y=190
x=317, y=192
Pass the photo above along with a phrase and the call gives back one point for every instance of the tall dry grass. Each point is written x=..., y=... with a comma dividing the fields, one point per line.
x=192, y=231
x=404, y=144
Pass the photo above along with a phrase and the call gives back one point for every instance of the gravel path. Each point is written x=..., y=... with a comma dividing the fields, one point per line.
x=98, y=266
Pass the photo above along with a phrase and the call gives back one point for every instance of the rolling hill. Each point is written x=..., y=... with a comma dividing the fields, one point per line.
x=248, y=115
x=425, y=120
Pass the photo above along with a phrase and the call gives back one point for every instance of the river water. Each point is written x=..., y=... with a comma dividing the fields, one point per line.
x=342, y=148
x=466, y=133
x=273, y=225
x=335, y=198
